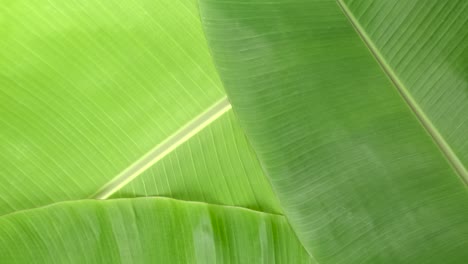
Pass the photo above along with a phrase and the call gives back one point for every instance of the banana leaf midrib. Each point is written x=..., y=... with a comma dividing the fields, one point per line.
x=426, y=123
x=160, y=151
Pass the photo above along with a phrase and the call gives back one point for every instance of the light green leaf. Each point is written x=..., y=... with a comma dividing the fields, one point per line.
x=89, y=87
x=94, y=93
x=146, y=230
x=217, y=166
x=110, y=99
x=95, y=96
x=367, y=170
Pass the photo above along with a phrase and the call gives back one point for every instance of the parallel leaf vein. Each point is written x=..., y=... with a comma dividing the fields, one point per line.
x=166, y=147
x=407, y=97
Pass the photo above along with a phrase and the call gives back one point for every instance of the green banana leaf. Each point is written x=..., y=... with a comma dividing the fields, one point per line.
x=147, y=230
x=358, y=113
x=355, y=109
x=222, y=166
x=89, y=88
x=94, y=94
x=108, y=100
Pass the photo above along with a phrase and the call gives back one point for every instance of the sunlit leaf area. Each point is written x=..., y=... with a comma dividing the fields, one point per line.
x=234, y=131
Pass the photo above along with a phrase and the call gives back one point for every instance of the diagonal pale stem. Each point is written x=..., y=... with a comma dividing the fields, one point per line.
x=160, y=151
x=406, y=95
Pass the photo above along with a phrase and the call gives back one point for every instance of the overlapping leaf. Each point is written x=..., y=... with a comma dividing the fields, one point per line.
x=94, y=93
x=367, y=170
x=147, y=230
x=88, y=88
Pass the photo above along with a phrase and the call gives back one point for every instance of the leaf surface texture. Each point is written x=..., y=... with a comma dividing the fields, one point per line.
x=217, y=166
x=359, y=173
x=146, y=230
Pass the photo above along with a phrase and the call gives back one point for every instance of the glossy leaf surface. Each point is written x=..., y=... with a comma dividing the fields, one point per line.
x=94, y=94
x=356, y=164
x=424, y=47
x=101, y=99
x=146, y=230
x=217, y=166
x=87, y=88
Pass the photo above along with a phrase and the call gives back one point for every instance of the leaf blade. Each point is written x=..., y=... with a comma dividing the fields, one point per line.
x=216, y=166
x=89, y=88
x=415, y=86
x=122, y=230
x=167, y=146
x=357, y=175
